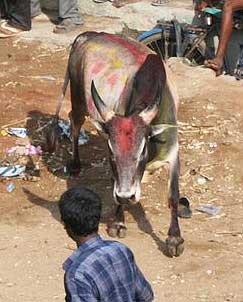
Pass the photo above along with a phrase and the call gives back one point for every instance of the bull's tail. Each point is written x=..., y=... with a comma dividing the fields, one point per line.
x=62, y=96
x=53, y=132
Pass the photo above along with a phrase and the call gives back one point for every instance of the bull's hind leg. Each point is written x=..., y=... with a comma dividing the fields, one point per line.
x=174, y=242
x=77, y=119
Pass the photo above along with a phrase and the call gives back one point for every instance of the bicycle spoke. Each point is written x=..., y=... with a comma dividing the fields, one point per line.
x=155, y=47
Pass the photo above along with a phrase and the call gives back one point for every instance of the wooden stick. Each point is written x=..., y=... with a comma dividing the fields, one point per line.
x=14, y=123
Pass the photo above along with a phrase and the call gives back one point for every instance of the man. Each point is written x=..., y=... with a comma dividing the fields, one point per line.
x=19, y=17
x=99, y=270
x=230, y=6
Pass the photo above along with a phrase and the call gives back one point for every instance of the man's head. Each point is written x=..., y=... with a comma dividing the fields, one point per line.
x=80, y=210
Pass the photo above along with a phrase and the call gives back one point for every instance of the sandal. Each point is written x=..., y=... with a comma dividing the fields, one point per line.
x=7, y=30
x=66, y=26
x=100, y=1
x=159, y=2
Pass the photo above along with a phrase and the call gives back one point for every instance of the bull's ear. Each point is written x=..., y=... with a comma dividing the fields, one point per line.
x=149, y=113
x=158, y=129
x=100, y=105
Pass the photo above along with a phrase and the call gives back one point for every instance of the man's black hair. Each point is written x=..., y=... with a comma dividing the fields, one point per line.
x=80, y=210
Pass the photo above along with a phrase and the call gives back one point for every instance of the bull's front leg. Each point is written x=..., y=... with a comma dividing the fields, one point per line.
x=174, y=242
x=73, y=165
x=117, y=228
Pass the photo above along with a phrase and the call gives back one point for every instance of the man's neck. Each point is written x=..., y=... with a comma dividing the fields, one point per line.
x=82, y=240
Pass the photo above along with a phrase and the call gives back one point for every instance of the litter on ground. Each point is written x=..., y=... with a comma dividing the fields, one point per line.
x=25, y=150
x=65, y=131
x=11, y=171
x=10, y=187
x=209, y=209
x=19, y=132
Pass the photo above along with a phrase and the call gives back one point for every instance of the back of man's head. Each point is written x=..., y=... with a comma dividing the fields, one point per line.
x=80, y=210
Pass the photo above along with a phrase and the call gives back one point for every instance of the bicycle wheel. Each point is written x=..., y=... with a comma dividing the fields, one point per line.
x=154, y=40
x=196, y=56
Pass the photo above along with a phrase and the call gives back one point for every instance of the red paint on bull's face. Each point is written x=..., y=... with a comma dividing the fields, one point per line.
x=126, y=134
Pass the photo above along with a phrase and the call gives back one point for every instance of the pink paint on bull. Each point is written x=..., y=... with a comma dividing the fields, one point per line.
x=140, y=57
x=91, y=106
x=113, y=79
x=125, y=134
x=97, y=67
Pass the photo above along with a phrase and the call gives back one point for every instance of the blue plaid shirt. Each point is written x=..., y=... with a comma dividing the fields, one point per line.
x=102, y=270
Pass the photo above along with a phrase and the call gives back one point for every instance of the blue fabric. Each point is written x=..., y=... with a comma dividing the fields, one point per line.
x=105, y=271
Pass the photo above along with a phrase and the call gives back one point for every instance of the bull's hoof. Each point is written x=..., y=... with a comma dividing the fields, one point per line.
x=117, y=229
x=73, y=167
x=174, y=246
x=184, y=210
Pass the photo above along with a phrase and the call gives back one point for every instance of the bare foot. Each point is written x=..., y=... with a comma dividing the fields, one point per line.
x=215, y=64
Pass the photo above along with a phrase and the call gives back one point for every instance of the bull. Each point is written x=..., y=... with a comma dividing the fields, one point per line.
x=127, y=91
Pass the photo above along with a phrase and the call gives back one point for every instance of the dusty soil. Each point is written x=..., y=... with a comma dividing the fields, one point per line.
x=33, y=244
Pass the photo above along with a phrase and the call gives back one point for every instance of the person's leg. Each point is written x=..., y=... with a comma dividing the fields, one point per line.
x=226, y=29
x=35, y=8
x=19, y=14
x=3, y=9
x=69, y=16
x=68, y=9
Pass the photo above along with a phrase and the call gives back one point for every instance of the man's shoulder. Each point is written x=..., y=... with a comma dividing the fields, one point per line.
x=100, y=257
x=117, y=245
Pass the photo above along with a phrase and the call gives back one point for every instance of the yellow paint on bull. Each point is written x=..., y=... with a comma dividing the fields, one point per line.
x=111, y=52
x=94, y=47
x=117, y=64
x=124, y=78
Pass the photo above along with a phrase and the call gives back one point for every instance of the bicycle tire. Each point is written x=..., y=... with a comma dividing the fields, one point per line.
x=154, y=40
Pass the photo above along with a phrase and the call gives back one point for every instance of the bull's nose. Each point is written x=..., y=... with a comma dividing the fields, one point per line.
x=123, y=200
x=124, y=195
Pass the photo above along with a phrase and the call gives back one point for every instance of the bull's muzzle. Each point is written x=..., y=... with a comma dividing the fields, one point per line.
x=126, y=200
x=124, y=196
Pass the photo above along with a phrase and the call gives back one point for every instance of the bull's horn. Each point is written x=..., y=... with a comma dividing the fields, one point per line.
x=158, y=129
x=100, y=105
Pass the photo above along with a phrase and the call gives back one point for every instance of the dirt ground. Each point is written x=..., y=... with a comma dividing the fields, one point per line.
x=33, y=243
